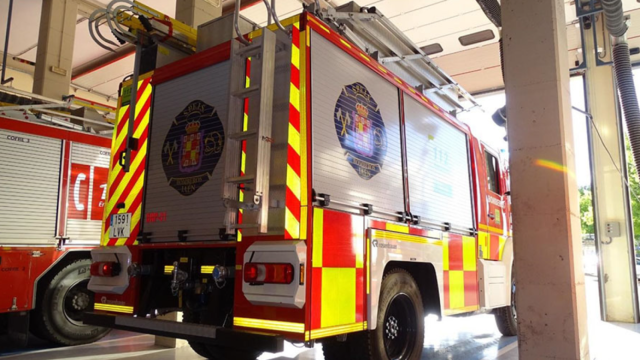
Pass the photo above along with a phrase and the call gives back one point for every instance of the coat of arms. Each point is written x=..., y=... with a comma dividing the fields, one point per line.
x=192, y=148
x=360, y=130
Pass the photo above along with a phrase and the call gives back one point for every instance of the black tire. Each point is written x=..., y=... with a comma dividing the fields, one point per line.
x=212, y=351
x=399, y=333
x=62, y=300
x=507, y=317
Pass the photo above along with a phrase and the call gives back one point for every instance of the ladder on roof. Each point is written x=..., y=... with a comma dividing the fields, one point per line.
x=255, y=178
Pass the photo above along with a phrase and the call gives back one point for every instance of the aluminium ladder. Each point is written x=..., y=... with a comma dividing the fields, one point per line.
x=258, y=134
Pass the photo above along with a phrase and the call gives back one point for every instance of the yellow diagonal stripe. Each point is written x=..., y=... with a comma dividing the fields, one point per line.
x=294, y=139
x=293, y=182
x=294, y=97
x=295, y=57
x=291, y=224
x=127, y=177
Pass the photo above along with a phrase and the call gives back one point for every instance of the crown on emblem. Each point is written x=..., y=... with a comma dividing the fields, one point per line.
x=362, y=110
x=192, y=127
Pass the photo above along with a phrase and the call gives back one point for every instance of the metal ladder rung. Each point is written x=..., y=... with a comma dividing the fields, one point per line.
x=249, y=50
x=243, y=135
x=247, y=179
x=246, y=92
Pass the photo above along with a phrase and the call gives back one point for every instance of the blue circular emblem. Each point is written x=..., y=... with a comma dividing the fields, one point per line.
x=360, y=129
x=192, y=147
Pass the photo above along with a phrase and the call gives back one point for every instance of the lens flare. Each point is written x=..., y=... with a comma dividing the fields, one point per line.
x=554, y=166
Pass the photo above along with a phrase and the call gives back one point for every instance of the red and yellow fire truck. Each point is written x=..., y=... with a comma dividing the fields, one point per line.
x=304, y=182
x=52, y=193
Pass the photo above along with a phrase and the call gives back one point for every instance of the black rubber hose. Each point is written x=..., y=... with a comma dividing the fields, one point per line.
x=492, y=9
x=615, y=17
x=627, y=90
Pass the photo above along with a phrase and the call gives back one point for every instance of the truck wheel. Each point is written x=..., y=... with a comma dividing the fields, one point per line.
x=399, y=334
x=60, y=305
x=507, y=317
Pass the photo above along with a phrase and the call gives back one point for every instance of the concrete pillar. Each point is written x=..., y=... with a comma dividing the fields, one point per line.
x=550, y=296
x=196, y=12
x=618, y=288
x=55, y=48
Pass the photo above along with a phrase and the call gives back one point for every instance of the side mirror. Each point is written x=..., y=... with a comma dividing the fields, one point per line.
x=508, y=193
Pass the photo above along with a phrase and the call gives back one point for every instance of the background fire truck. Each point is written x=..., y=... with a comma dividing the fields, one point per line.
x=292, y=187
x=52, y=193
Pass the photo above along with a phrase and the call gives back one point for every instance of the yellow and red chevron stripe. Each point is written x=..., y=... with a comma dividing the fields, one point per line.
x=293, y=193
x=126, y=187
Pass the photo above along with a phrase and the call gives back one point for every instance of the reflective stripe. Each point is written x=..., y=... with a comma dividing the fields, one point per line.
x=337, y=330
x=269, y=325
x=317, y=237
x=469, y=253
x=397, y=228
x=113, y=308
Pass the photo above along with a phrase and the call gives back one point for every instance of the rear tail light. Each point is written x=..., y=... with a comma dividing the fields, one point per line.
x=105, y=269
x=257, y=273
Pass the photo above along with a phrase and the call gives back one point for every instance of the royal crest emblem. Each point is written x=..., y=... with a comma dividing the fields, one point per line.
x=192, y=147
x=361, y=130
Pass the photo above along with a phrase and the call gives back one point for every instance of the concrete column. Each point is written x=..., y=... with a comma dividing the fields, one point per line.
x=55, y=48
x=550, y=292
x=618, y=288
x=196, y=12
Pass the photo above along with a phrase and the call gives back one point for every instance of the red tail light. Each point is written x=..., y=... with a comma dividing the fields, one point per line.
x=257, y=273
x=105, y=269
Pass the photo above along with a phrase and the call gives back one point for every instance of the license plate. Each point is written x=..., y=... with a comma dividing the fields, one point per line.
x=120, y=225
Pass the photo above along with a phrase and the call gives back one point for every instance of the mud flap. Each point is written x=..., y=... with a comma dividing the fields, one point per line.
x=18, y=328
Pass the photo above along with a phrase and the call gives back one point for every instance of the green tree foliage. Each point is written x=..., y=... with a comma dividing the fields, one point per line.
x=634, y=193
x=586, y=210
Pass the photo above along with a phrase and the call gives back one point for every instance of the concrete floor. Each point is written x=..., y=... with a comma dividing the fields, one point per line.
x=471, y=338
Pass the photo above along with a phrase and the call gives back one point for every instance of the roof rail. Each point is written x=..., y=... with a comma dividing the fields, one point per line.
x=375, y=34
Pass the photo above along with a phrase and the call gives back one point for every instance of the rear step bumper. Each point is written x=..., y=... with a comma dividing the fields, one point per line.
x=192, y=332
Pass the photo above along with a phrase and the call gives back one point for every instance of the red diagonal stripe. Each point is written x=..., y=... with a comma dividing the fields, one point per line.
x=137, y=122
x=293, y=160
x=114, y=184
x=293, y=204
x=128, y=188
x=295, y=37
x=121, y=121
x=294, y=117
x=295, y=76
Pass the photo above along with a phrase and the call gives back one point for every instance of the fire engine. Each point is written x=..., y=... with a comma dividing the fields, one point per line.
x=305, y=181
x=53, y=182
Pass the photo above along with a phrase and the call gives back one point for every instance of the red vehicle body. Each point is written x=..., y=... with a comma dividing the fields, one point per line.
x=325, y=266
x=46, y=176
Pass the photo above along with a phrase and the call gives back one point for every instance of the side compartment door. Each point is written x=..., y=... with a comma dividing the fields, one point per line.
x=89, y=169
x=495, y=208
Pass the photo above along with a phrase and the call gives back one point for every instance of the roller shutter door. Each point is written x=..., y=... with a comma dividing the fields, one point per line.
x=87, y=190
x=29, y=183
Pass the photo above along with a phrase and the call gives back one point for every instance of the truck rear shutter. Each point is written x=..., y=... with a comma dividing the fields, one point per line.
x=29, y=183
x=187, y=198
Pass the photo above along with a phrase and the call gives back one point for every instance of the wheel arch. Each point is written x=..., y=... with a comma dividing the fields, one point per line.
x=424, y=274
x=69, y=256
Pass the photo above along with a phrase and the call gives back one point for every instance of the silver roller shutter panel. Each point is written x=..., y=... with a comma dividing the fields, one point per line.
x=29, y=183
x=438, y=167
x=95, y=161
x=200, y=212
x=349, y=162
